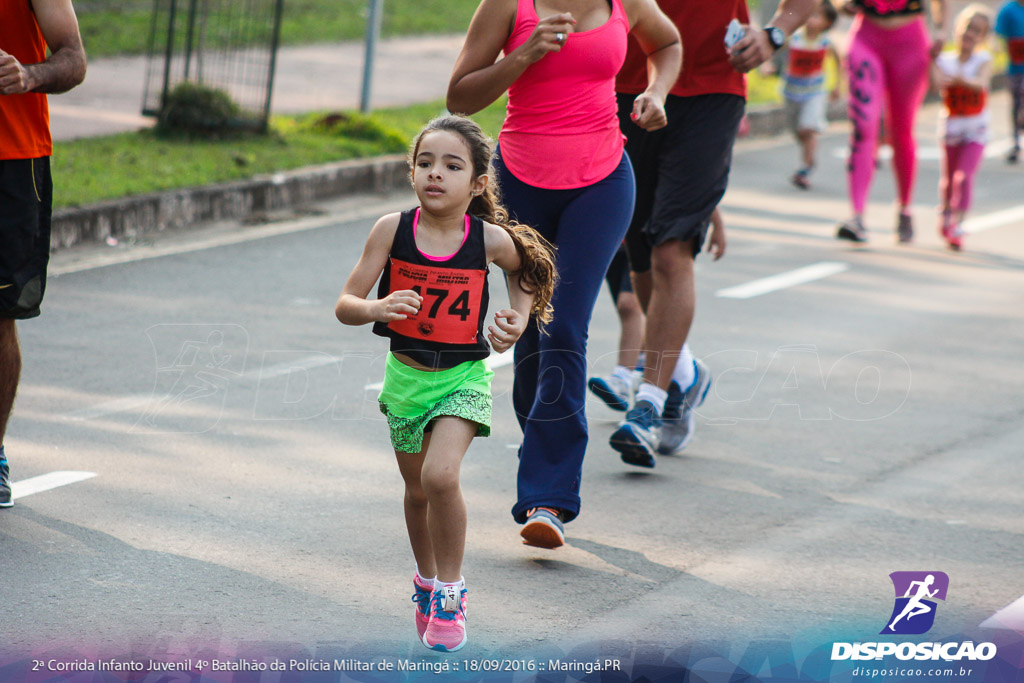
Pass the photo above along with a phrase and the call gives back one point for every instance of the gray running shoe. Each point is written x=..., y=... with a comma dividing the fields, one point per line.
x=852, y=230
x=6, y=499
x=905, y=228
x=680, y=416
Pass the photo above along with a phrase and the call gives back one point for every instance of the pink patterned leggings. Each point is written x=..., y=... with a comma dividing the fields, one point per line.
x=885, y=67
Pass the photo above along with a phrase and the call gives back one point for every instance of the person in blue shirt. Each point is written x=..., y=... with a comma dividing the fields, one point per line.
x=1010, y=26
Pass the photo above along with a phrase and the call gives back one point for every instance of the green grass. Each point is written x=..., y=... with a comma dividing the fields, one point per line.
x=116, y=27
x=89, y=170
x=94, y=169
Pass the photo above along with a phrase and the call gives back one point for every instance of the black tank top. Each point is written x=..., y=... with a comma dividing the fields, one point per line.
x=448, y=328
x=889, y=8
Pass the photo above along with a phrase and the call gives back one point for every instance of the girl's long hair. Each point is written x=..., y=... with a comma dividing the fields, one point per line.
x=965, y=17
x=537, y=273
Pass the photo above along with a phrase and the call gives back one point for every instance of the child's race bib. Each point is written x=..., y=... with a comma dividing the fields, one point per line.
x=963, y=101
x=450, y=311
x=806, y=62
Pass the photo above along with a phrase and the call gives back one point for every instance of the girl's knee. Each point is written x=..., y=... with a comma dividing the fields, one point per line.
x=439, y=482
x=415, y=496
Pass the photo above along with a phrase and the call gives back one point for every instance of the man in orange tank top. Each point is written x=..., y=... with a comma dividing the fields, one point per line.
x=27, y=29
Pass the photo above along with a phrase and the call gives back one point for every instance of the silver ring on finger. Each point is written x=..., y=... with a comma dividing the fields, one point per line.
x=559, y=37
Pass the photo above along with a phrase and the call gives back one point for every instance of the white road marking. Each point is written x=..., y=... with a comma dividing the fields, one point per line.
x=125, y=404
x=791, y=278
x=1010, y=617
x=996, y=219
x=45, y=482
x=494, y=361
x=282, y=369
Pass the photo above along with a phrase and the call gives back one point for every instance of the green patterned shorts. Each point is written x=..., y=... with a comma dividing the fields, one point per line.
x=411, y=398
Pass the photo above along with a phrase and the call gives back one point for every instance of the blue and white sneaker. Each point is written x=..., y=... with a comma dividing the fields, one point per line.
x=6, y=498
x=680, y=416
x=638, y=436
x=613, y=391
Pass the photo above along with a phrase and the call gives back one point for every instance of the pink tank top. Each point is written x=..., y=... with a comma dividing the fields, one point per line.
x=561, y=129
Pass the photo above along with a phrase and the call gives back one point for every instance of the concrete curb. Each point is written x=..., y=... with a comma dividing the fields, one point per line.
x=240, y=200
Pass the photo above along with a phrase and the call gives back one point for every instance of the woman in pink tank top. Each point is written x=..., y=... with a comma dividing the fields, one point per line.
x=562, y=170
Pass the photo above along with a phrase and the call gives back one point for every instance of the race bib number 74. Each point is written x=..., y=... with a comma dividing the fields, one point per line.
x=450, y=311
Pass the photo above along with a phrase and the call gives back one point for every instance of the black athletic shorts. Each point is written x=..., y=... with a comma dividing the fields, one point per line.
x=26, y=197
x=617, y=276
x=681, y=170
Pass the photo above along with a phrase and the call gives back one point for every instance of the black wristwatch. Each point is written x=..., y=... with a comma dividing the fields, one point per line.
x=776, y=36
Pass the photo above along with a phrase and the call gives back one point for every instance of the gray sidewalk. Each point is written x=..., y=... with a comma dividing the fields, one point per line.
x=308, y=78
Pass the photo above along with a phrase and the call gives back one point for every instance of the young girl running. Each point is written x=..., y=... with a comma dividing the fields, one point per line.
x=963, y=78
x=432, y=299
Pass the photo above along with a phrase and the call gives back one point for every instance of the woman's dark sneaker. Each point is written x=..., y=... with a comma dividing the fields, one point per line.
x=852, y=230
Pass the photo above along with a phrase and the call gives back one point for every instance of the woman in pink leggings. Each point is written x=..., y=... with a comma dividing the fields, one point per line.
x=887, y=65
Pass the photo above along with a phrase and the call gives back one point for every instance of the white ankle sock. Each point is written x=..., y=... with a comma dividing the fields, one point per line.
x=684, y=373
x=652, y=394
x=623, y=373
x=424, y=581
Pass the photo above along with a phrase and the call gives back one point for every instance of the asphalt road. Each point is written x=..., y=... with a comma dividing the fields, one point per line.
x=866, y=420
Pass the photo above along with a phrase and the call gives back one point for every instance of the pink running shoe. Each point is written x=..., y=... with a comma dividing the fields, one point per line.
x=955, y=238
x=446, y=631
x=951, y=231
x=946, y=224
x=421, y=597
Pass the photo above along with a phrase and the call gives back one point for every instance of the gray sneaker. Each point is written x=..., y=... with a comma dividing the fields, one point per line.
x=905, y=228
x=852, y=230
x=6, y=499
x=680, y=416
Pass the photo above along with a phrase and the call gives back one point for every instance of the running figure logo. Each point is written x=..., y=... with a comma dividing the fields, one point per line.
x=914, y=610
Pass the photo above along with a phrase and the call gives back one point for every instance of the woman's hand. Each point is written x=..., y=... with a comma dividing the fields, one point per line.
x=397, y=306
x=549, y=35
x=649, y=111
x=511, y=325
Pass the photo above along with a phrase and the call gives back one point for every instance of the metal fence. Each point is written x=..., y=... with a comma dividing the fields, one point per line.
x=229, y=45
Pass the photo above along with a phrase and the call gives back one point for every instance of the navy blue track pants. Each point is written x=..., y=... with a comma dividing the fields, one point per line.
x=586, y=225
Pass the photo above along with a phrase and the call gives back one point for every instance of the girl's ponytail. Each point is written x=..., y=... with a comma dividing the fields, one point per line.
x=537, y=273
